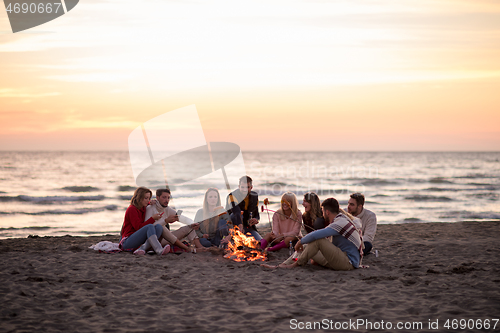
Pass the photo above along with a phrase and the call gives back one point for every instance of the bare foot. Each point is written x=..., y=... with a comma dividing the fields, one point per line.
x=288, y=266
x=202, y=249
x=215, y=250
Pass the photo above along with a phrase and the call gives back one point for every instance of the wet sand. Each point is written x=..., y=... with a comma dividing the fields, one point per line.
x=425, y=271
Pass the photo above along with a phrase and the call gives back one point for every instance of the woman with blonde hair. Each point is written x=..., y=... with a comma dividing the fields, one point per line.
x=213, y=226
x=139, y=235
x=287, y=222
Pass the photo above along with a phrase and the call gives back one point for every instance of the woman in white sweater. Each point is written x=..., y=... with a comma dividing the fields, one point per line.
x=213, y=225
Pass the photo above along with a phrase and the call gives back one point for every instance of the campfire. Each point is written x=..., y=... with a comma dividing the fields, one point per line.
x=244, y=248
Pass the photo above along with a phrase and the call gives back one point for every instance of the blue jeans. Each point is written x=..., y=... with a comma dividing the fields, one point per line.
x=236, y=218
x=221, y=232
x=254, y=233
x=206, y=242
x=140, y=236
x=367, y=249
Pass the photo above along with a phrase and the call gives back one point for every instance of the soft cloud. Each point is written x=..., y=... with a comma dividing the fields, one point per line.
x=273, y=59
x=18, y=93
x=90, y=77
x=251, y=43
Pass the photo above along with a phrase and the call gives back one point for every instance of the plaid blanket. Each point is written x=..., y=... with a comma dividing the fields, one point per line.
x=344, y=226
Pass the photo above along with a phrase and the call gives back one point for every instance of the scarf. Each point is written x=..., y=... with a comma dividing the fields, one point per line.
x=344, y=226
x=159, y=208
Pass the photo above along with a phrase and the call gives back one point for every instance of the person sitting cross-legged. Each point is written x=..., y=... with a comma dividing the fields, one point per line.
x=139, y=234
x=213, y=228
x=167, y=216
x=344, y=252
x=355, y=206
x=243, y=203
x=287, y=222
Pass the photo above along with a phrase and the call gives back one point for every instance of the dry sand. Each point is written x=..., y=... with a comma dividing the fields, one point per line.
x=428, y=271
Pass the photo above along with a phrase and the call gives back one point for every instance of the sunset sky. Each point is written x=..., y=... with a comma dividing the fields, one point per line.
x=375, y=75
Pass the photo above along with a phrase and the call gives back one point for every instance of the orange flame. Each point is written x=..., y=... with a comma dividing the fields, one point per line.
x=239, y=242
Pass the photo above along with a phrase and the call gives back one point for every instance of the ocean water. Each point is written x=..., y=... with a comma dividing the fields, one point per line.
x=87, y=193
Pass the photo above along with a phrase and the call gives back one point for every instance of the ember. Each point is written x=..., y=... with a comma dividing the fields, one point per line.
x=244, y=248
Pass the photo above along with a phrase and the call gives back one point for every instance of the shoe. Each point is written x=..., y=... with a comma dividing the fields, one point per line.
x=166, y=250
x=139, y=252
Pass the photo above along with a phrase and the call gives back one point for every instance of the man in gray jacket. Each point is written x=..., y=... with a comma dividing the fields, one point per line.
x=355, y=207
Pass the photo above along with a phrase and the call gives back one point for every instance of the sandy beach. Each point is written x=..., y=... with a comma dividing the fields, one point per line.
x=435, y=272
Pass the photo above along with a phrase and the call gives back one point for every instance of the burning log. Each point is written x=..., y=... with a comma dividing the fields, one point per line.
x=244, y=248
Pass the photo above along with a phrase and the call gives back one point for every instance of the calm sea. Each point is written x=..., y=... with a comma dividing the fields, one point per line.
x=86, y=193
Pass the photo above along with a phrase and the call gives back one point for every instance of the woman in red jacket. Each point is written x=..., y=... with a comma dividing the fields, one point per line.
x=137, y=234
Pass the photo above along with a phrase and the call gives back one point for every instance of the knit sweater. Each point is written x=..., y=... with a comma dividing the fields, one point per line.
x=168, y=211
x=369, y=225
x=207, y=226
x=286, y=226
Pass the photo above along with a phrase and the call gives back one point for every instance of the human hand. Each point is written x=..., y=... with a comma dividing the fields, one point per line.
x=195, y=226
x=219, y=208
x=253, y=221
x=298, y=246
x=172, y=219
x=205, y=236
x=156, y=217
x=152, y=202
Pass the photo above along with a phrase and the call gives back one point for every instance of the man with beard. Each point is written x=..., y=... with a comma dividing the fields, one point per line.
x=169, y=215
x=243, y=204
x=355, y=207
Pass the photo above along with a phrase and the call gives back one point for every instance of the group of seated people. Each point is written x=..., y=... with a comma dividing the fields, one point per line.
x=146, y=225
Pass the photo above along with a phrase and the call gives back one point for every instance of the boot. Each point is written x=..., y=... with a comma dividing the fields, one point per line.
x=155, y=244
x=140, y=251
x=143, y=248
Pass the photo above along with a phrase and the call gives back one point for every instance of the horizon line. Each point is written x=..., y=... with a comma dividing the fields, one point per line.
x=263, y=151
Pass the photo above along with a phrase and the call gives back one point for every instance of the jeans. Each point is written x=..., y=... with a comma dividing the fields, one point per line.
x=236, y=218
x=368, y=248
x=140, y=236
x=254, y=233
x=221, y=232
